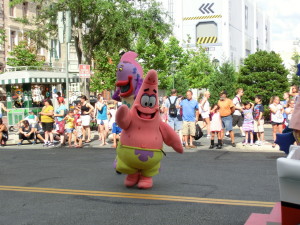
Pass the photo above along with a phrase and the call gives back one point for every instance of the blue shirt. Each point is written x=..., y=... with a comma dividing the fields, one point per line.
x=102, y=114
x=62, y=107
x=116, y=129
x=188, y=109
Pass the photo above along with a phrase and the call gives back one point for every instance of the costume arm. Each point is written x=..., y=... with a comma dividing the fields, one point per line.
x=123, y=118
x=116, y=95
x=170, y=137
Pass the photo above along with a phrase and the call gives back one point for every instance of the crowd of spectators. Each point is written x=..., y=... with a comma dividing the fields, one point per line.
x=220, y=119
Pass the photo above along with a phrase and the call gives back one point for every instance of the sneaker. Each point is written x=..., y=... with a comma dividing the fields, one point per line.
x=211, y=146
x=51, y=144
x=251, y=143
x=20, y=143
x=233, y=144
x=46, y=144
x=183, y=144
x=245, y=143
x=258, y=143
x=219, y=146
x=33, y=143
x=243, y=135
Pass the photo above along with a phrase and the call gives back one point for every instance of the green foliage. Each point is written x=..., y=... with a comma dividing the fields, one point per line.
x=263, y=74
x=2, y=36
x=293, y=71
x=223, y=78
x=23, y=55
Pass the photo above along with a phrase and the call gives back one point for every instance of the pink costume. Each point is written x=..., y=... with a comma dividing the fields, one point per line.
x=139, y=151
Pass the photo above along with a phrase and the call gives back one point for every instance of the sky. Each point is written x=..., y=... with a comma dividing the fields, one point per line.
x=284, y=17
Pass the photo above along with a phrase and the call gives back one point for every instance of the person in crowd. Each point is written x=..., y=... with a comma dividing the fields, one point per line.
x=226, y=109
x=39, y=133
x=31, y=118
x=289, y=112
x=26, y=132
x=215, y=127
x=204, y=108
x=173, y=118
x=112, y=114
x=284, y=102
x=2, y=107
x=294, y=91
x=59, y=115
x=237, y=117
x=259, y=120
x=162, y=109
x=190, y=115
x=76, y=115
x=116, y=131
x=47, y=122
x=3, y=133
x=78, y=133
x=70, y=125
x=277, y=119
x=86, y=110
x=248, y=124
x=102, y=119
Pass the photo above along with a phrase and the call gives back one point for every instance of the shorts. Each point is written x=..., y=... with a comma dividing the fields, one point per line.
x=102, y=122
x=47, y=126
x=227, y=122
x=275, y=123
x=189, y=128
x=260, y=128
x=237, y=120
x=69, y=130
x=80, y=137
x=175, y=123
x=1, y=115
x=86, y=120
x=205, y=115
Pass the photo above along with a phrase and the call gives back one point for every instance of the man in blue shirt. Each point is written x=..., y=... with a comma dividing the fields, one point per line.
x=190, y=115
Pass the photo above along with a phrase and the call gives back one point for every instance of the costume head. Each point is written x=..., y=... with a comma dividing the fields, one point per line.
x=129, y=75
x=146, y=103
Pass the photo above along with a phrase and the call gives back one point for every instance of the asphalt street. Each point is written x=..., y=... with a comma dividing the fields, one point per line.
x=79, y=186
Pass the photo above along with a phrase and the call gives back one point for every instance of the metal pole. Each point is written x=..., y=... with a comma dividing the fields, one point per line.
x=67, y=75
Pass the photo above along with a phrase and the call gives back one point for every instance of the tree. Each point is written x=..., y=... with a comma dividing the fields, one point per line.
x=293, y=71
x=23, y=55
x=223, y=78
x=103, y=26
x=263, y=74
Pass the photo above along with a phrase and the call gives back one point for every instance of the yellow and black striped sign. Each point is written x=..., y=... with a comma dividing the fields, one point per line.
x=202, y=17
x=206, y=40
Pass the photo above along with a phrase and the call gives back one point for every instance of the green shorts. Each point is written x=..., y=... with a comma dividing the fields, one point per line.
x=131, y=160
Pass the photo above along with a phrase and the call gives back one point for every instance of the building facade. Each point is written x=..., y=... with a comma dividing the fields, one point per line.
x=227, y=29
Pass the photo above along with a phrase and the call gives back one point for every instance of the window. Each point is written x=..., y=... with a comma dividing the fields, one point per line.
x=206, y=32
x=25, y=9
x=55, y=49
x=246, y=17
x=11, y=9
x=13, y=39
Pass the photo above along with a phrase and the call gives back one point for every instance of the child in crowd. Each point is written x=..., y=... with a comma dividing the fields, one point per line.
x=70, y=125
x=259, y=119
x=116, y=131
x=289, y=112
x=276, y=117
x=78, y=134
x=76, y=115
x=248, y=126
x=215, y=127
x=286, y=97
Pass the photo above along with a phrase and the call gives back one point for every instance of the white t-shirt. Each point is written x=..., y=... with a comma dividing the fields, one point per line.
x=278, y=116
x=237, y=102
x=204, y=110
x=172, y=99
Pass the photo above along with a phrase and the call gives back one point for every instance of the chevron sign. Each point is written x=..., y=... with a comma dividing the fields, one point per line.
x=206, y=8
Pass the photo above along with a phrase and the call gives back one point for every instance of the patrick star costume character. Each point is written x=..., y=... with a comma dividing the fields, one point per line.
x=139, y=151
x=129, y=79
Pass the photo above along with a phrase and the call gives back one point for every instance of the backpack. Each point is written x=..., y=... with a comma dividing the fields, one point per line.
x=198, y=133
x=172, y=108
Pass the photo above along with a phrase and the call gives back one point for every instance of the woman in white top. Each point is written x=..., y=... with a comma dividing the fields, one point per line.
x=4, y=108
x=204, y=109
x=277, y=119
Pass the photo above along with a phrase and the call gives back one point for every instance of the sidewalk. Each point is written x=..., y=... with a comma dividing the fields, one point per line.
x=202, y=144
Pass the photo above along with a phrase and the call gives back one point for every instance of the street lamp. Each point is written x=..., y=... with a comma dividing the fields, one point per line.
x=173, y=68
x=215, y=62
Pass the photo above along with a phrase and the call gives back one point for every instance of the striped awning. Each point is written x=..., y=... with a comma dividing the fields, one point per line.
x=206, y=40
x=21, y=77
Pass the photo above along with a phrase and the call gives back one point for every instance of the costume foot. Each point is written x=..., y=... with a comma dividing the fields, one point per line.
x=131, y=179
x=145, y=182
